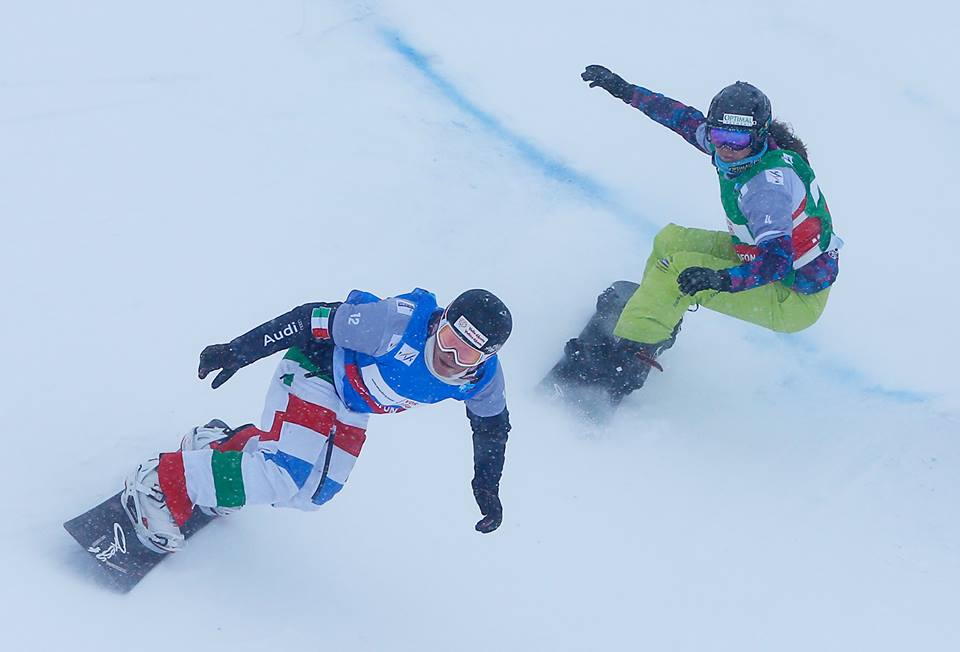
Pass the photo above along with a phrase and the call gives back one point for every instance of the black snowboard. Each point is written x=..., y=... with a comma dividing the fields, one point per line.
x=106, y=533
x=598, y=370
x=584, y=378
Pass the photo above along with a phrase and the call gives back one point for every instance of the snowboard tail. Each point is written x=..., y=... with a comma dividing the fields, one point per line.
x=107, y=535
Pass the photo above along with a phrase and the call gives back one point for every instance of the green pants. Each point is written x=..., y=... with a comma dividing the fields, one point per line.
x=658, y=306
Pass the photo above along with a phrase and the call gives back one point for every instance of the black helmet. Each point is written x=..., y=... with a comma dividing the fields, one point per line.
x=481, y=319
x=742, y=107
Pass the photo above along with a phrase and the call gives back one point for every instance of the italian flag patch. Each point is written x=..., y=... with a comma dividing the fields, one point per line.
x=320, y=323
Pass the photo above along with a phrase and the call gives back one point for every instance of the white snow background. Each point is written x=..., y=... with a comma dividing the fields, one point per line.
x=173, y=174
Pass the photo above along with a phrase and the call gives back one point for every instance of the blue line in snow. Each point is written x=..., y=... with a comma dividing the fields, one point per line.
x=599, y=194
x=552, y=167
x=851, y=376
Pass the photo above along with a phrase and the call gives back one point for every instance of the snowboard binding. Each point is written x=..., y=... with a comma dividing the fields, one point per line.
x=598, y=369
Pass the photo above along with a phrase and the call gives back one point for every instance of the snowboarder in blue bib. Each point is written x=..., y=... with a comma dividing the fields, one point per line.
x=344, y=361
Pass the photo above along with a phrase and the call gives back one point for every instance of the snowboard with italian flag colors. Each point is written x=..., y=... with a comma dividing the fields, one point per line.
x=107, y=535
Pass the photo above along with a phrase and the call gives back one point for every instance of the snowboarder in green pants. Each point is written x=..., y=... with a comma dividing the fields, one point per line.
x=772, y=267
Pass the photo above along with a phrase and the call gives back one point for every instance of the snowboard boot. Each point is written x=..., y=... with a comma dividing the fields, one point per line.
x=598, y=369
x=586, y=358
x=584, y=362
x=146, y=507
x=631, y=370
x=620, y=366
x=203, y=437
x=633, y=363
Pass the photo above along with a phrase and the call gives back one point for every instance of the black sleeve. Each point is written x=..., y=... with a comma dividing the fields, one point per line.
x=289, y=329
x=489, y=449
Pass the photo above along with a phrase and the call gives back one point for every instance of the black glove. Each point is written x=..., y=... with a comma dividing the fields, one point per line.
x=490, y=507
x=695, y=279
x=218, y=356
x=608, y=81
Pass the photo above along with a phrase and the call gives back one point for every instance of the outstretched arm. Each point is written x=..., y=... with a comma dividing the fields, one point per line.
x=293, y=328
x=676, y=116
x=369, y=328
x=489, y=450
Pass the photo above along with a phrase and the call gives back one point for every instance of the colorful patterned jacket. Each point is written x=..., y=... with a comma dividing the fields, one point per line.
x=770, y=212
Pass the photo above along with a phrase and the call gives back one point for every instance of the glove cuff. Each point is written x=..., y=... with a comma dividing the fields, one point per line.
x=618, y=87
x=724, y=281
x=623, y=90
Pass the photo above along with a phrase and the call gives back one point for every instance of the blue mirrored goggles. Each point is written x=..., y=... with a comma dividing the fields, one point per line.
x=730, y=138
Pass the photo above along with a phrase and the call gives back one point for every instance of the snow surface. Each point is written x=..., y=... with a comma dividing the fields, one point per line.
x=174, y=173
